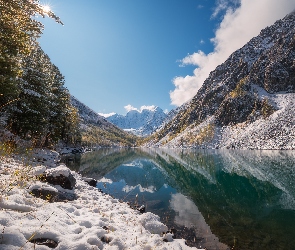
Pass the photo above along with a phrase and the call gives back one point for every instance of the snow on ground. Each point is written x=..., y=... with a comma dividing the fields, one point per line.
x=92, y=221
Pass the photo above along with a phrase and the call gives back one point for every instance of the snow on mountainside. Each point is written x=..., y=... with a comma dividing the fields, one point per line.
x=247, y=102
x=87, y=114
x=141, y=123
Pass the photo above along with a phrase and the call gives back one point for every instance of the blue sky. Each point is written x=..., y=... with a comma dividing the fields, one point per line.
x=115, y=53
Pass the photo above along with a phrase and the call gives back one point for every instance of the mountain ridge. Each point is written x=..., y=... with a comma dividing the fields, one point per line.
x=139, y=122
x=97, y=131
x=255, y=85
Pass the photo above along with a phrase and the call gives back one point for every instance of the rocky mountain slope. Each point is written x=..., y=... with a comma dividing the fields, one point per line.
x=87, y=115
x=96, y=130
x=140, y=123
x=246, y=102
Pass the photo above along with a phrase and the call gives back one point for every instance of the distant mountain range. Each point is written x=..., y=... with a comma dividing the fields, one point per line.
x=248, y=102
x=140, y=123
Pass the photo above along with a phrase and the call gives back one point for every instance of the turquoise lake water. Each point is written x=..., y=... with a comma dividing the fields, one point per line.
x=221, y=199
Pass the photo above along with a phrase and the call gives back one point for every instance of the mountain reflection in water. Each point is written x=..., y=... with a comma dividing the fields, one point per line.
x=223, y=199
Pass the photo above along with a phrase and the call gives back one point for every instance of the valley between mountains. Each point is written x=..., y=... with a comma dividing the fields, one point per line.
x=247, y=102
x=237, y=199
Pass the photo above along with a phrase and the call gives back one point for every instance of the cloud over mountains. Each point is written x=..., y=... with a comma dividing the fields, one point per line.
x=130, y=107
x=243, y=19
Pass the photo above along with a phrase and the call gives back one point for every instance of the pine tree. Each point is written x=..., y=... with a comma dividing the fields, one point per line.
x=64, y=118
x=29, y=115
x=19, y=30
x=32, y=91
x=43, y=112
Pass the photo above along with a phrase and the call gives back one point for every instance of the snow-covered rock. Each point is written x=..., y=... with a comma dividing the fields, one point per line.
x=61, y=176
x=152, y=223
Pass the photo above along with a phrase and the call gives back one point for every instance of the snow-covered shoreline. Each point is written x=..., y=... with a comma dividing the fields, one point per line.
x=92, y=220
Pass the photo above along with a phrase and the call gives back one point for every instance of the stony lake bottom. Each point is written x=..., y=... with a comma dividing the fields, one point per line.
x=215, y=199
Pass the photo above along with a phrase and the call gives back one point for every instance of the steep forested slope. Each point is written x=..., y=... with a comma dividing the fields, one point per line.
x=34, y=104
x=41, y=109
x=96, y=130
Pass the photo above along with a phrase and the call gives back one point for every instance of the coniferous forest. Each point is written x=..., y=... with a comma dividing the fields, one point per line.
x=34, y=103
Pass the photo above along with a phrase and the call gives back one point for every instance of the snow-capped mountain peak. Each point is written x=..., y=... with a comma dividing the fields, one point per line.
x=140, y=122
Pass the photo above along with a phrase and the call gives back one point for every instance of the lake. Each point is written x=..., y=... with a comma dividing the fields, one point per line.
x=219, y=199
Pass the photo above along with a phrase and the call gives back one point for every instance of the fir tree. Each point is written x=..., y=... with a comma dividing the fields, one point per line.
x=19, y=30
x=43, y=111
x=32, y=92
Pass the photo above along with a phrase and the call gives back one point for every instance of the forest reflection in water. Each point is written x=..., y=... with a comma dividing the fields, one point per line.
x=220, y=199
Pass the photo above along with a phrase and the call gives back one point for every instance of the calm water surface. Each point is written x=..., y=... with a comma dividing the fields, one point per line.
x=215, y=199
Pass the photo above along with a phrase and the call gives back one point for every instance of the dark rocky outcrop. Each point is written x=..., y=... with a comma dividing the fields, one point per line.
x=44, y=194
x=65, y=196
x=53, y=196
x=66, y=182
x=45, y=242
x=92, y=182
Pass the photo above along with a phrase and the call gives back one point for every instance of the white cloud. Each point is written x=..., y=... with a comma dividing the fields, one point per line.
x=106, y=115
x=130, y=107
x=224, y=5
x=237, y=27
x=105, y=180
x=152, y=108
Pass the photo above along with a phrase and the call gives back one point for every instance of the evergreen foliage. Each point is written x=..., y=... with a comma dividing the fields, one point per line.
x=43, y=111
x=19, y=30
x=33, y=99
x=111, y=137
